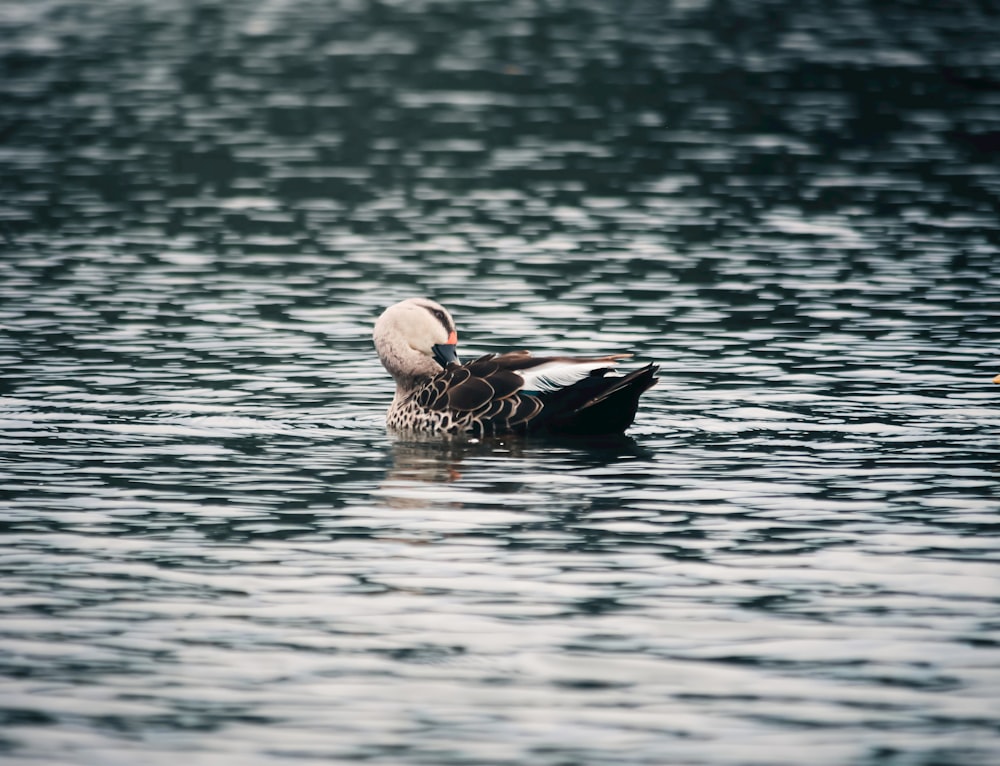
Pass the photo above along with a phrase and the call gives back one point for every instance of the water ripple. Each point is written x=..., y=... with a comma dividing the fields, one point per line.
x=212, y=547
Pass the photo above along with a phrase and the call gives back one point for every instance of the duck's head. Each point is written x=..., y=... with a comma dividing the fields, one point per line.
x=415, y=338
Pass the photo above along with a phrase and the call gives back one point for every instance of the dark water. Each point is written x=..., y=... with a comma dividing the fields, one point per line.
x=212, y=552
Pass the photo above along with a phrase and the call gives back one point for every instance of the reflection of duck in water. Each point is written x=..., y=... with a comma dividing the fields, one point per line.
x=495, y=464
x=419, y=459
x=497, y=393
x=434, y=461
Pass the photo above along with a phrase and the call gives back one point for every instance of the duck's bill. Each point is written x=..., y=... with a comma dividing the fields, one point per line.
x=445, y=353
x=996, y=379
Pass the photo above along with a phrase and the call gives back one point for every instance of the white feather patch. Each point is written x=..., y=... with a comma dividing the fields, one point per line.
x=555, y=375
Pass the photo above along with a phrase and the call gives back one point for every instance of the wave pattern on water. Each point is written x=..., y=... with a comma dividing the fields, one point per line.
x=211, y=548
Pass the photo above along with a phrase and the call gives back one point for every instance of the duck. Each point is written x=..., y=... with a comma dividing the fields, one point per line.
x=497, y=394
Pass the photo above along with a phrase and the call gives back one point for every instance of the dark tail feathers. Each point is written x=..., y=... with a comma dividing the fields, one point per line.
x=599, y=405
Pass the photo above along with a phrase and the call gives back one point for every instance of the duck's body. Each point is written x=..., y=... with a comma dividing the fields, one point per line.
x=497, y=393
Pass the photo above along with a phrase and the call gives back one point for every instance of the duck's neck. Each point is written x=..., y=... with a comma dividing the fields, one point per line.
x=408, y=367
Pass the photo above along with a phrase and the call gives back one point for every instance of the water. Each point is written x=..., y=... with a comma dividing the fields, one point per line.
x=212, y=551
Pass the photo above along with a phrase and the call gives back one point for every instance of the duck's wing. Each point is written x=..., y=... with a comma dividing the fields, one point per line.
x=484, y=395
x=550, y=374
x=516, y=392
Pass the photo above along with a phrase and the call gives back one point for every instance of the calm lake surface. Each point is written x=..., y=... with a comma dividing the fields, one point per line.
x=212, y=551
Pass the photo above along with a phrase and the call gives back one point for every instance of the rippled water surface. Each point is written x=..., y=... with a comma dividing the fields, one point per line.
x=212, y=551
